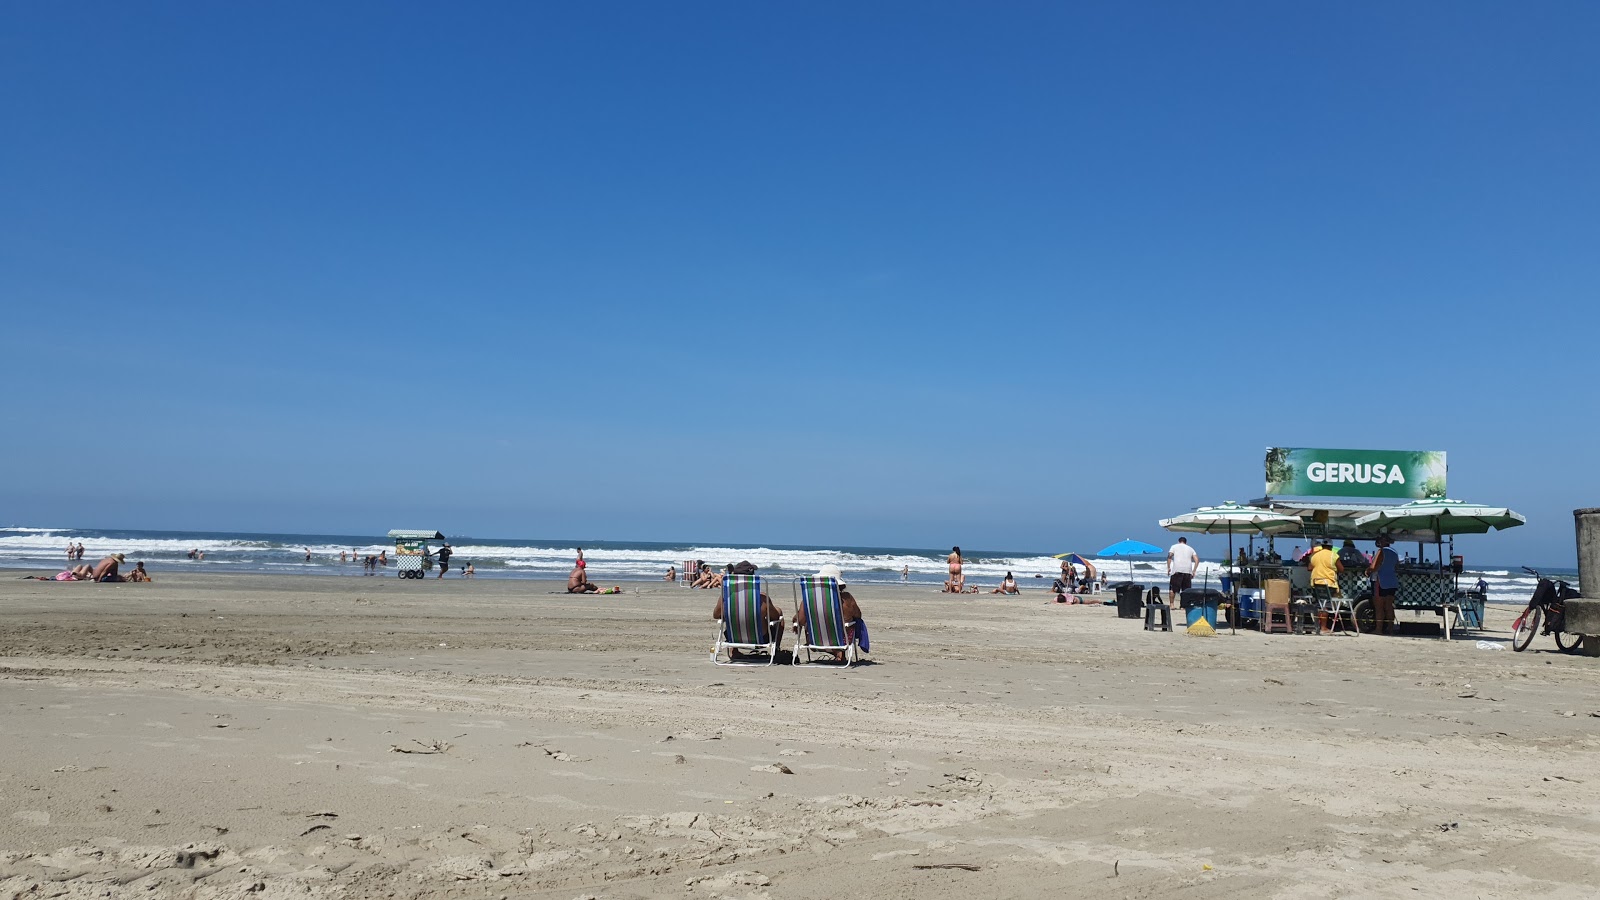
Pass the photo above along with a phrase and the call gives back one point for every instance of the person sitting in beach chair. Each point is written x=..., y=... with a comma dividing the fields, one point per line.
x=828, y=619
x=748, y=622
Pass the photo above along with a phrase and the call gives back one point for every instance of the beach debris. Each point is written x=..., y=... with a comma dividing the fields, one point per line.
x=778, y=768
x=1489, y=645
x=1569, y=713
x=965, y=867
x=1449, y=826
x=421, y=748
x=316, y=828
x=1277, y=681
x=323, y=814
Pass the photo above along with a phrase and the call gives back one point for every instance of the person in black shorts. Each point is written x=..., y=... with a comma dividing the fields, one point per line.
x=444, y=559
x=1181, y=563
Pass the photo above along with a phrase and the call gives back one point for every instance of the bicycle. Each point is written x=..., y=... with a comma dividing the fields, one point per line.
x=1549, y=604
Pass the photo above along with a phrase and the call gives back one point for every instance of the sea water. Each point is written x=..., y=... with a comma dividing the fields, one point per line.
x=36, y=548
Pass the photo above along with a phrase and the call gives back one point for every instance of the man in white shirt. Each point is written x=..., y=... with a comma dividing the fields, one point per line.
x=1181, y=563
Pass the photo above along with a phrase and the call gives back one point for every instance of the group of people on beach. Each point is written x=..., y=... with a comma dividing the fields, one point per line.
x=74, y=551
x=107, y=570
x=703, y=576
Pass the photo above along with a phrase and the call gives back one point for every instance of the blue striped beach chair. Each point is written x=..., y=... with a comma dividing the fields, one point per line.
x=743, y=627
x=825, y=630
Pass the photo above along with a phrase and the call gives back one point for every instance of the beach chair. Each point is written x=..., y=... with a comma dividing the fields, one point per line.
x=825, y=630
x=743, y=628
x=689, y=572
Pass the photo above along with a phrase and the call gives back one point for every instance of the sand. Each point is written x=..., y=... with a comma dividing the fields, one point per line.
x=350, y=737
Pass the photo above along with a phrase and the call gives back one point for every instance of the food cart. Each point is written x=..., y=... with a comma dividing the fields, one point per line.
x=1428, y=590
x=412, y=556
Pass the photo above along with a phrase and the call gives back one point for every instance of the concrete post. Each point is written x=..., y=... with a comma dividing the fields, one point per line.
x=1586, y=524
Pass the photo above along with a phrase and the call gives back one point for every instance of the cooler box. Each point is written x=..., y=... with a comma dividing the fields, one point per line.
x=1130, y=600
x=1251, y=604
x=1200, y=604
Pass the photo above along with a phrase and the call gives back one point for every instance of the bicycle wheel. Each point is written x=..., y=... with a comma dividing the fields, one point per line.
x=1569, y=642
x=1366, y=617
x=1527, y=626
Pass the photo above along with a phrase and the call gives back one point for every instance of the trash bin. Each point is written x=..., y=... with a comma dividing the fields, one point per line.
x=1130, y=600
x=1200, y=604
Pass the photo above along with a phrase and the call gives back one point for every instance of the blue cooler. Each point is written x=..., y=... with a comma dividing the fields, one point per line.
x=1250, y=605
x=1227, y=584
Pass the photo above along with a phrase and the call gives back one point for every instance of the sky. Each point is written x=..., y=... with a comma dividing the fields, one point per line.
x=1022, y=275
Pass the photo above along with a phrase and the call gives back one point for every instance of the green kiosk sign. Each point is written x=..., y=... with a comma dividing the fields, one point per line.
x=1375, y=474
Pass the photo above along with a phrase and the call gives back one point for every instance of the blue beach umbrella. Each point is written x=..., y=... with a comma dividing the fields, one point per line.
x=1130, y=549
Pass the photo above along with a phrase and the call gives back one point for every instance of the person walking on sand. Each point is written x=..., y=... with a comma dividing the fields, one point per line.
x=957, y=580
x=1181, y=563
x=444, y=558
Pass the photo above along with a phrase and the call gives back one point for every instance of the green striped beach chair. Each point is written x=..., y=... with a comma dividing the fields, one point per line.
x=743, y=627
x=825, y=630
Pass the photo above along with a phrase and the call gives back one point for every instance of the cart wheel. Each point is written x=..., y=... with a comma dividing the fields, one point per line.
x=1366, y=617
x=1523, y=631
x=1569, y=642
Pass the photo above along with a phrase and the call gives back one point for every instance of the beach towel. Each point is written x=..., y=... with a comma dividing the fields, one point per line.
x=66, y=576
x=861, y=635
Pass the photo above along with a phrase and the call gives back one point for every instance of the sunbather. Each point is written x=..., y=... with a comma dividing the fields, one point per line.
x=768, y=611
x=107, y=569
x=578, y=582
x=849, y=611
x=1007, y=586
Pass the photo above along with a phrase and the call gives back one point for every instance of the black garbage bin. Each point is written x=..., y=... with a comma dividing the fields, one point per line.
x=1130, y=600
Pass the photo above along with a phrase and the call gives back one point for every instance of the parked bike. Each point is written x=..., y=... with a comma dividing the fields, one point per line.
x=1548, y=604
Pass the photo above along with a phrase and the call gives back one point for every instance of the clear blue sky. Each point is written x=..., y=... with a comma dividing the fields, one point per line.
x=912, y=273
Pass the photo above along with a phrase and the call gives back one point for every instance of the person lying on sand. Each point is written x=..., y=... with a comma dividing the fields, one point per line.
x=849, y=611
x=578, y=581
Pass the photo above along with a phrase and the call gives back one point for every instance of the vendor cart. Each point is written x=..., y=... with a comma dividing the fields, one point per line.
x=413, y=559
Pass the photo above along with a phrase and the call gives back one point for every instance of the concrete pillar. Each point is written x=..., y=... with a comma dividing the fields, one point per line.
x=1586, y=523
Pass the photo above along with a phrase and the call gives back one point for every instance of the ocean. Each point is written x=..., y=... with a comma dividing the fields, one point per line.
x=30, y=547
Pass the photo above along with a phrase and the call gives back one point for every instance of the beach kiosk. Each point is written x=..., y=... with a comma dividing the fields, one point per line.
x=411, y=553
x=1360, y=495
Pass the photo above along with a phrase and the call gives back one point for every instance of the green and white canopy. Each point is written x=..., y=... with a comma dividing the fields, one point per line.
x=1441, y=517
x=1231, y=518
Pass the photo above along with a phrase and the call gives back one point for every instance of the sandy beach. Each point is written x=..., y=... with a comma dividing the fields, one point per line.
x=349, y=737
